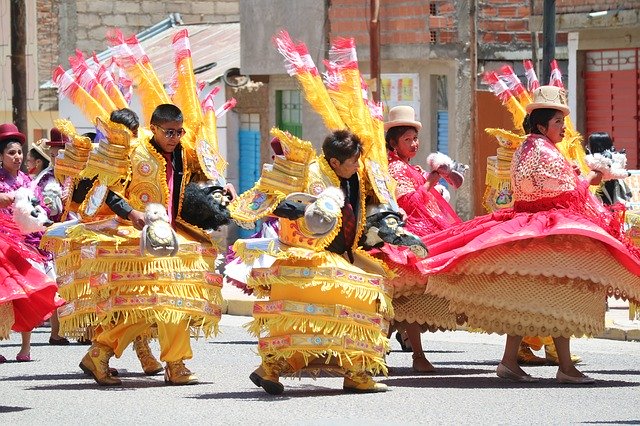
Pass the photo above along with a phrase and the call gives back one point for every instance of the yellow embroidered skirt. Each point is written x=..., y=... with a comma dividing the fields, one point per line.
x=322, y=312
x=105, y=279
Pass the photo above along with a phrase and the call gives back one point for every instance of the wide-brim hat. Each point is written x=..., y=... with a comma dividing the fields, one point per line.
x=10, y=131
x=57, y=139
x=41, y=146
x=402, y=115
x=550, y=97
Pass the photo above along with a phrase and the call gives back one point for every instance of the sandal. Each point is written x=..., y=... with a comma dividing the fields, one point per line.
x=23, y=358
x=421, y=364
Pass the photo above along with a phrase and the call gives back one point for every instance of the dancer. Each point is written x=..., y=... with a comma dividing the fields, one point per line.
x=11, y=180
x=145, y=279
x=327, y=297
x=190, y=298
x=485, y=268
x=40, y=163
x=426, y=212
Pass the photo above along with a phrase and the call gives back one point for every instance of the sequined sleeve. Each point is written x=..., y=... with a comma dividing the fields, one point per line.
x=540, y=171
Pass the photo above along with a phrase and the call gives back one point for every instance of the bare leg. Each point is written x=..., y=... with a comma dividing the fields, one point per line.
x=25, y=346
x=420, y=362
x=565, y=363
x=510, y=356
x=55, y=326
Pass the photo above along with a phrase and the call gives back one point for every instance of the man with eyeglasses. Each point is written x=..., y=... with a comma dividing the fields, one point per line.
x=179, y=293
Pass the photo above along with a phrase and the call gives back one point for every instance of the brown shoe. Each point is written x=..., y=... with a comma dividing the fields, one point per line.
x=96, y=364
x=150, y=365
x=527, y=357
x=270, y=384
x=176, y=373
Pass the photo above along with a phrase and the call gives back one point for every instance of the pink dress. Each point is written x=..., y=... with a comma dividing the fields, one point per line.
x=27, y=296
x=427, y=212
x=545, y=266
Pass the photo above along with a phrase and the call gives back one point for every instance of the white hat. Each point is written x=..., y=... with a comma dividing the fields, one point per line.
x=402, y=115
x=551, y=97
x=41, y=147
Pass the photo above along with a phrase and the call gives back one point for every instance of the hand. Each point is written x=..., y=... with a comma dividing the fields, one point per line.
x=576, y=169
x=230, y=191
x=137, y=219
x=6, y=199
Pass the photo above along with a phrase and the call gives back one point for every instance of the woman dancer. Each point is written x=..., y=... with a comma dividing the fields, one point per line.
x=32, y=284
x=427, y=212
x=543, y=267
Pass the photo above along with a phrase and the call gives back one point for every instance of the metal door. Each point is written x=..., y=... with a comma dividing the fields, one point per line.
x=612, y=100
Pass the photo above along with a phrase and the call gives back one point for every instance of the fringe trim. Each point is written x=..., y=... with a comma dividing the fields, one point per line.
x=146, y=265
x=200, y=325
x=325, y=326
x=347, y=359
x=184, y=290
x=75, y=326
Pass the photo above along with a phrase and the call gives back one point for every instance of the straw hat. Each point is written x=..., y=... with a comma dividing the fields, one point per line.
x=551, y=97
x=41, y=146
x=402, y=116
x=9, y=130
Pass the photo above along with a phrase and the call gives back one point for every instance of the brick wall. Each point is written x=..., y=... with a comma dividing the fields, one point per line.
x=48, y=39
x=401, y=22
x=504, y=22
x=95, y=17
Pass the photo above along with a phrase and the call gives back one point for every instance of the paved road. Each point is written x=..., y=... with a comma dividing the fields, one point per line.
x=52, y=390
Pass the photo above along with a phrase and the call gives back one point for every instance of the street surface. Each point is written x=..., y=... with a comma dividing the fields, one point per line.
x=52, y=390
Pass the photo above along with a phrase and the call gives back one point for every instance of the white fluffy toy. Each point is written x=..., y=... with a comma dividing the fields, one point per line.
x=449, y=170
x=28, y=214
x=612, y=164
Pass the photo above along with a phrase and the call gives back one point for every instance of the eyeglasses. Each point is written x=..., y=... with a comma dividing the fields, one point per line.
x=172, y=133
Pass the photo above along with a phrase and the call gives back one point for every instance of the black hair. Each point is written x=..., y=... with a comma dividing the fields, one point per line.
x=5, y=143
x=341, y=145
x=127, y=117
x=36, y=155
x=90, y=135
x=599, y=142
x=394, y=133
x=166, y=113
x=540, y=116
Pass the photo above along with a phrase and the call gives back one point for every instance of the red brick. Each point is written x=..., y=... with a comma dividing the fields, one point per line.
x=517, y=25
x=493, y=25
x=523, y=37
x=508, y=12
x=488, y=11
x=488, y=38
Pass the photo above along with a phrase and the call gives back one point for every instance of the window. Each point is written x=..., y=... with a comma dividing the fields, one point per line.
x=250, y=122
x=289, y=111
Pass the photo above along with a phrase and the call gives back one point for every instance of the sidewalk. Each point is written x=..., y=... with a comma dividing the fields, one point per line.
x=617, y=323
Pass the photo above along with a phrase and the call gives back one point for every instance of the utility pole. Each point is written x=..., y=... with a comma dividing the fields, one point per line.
x=18, y=64
x=374, y=49
x=549, y=35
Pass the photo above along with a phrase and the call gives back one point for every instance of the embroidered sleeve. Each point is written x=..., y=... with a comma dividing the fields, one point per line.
x=399, y=171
